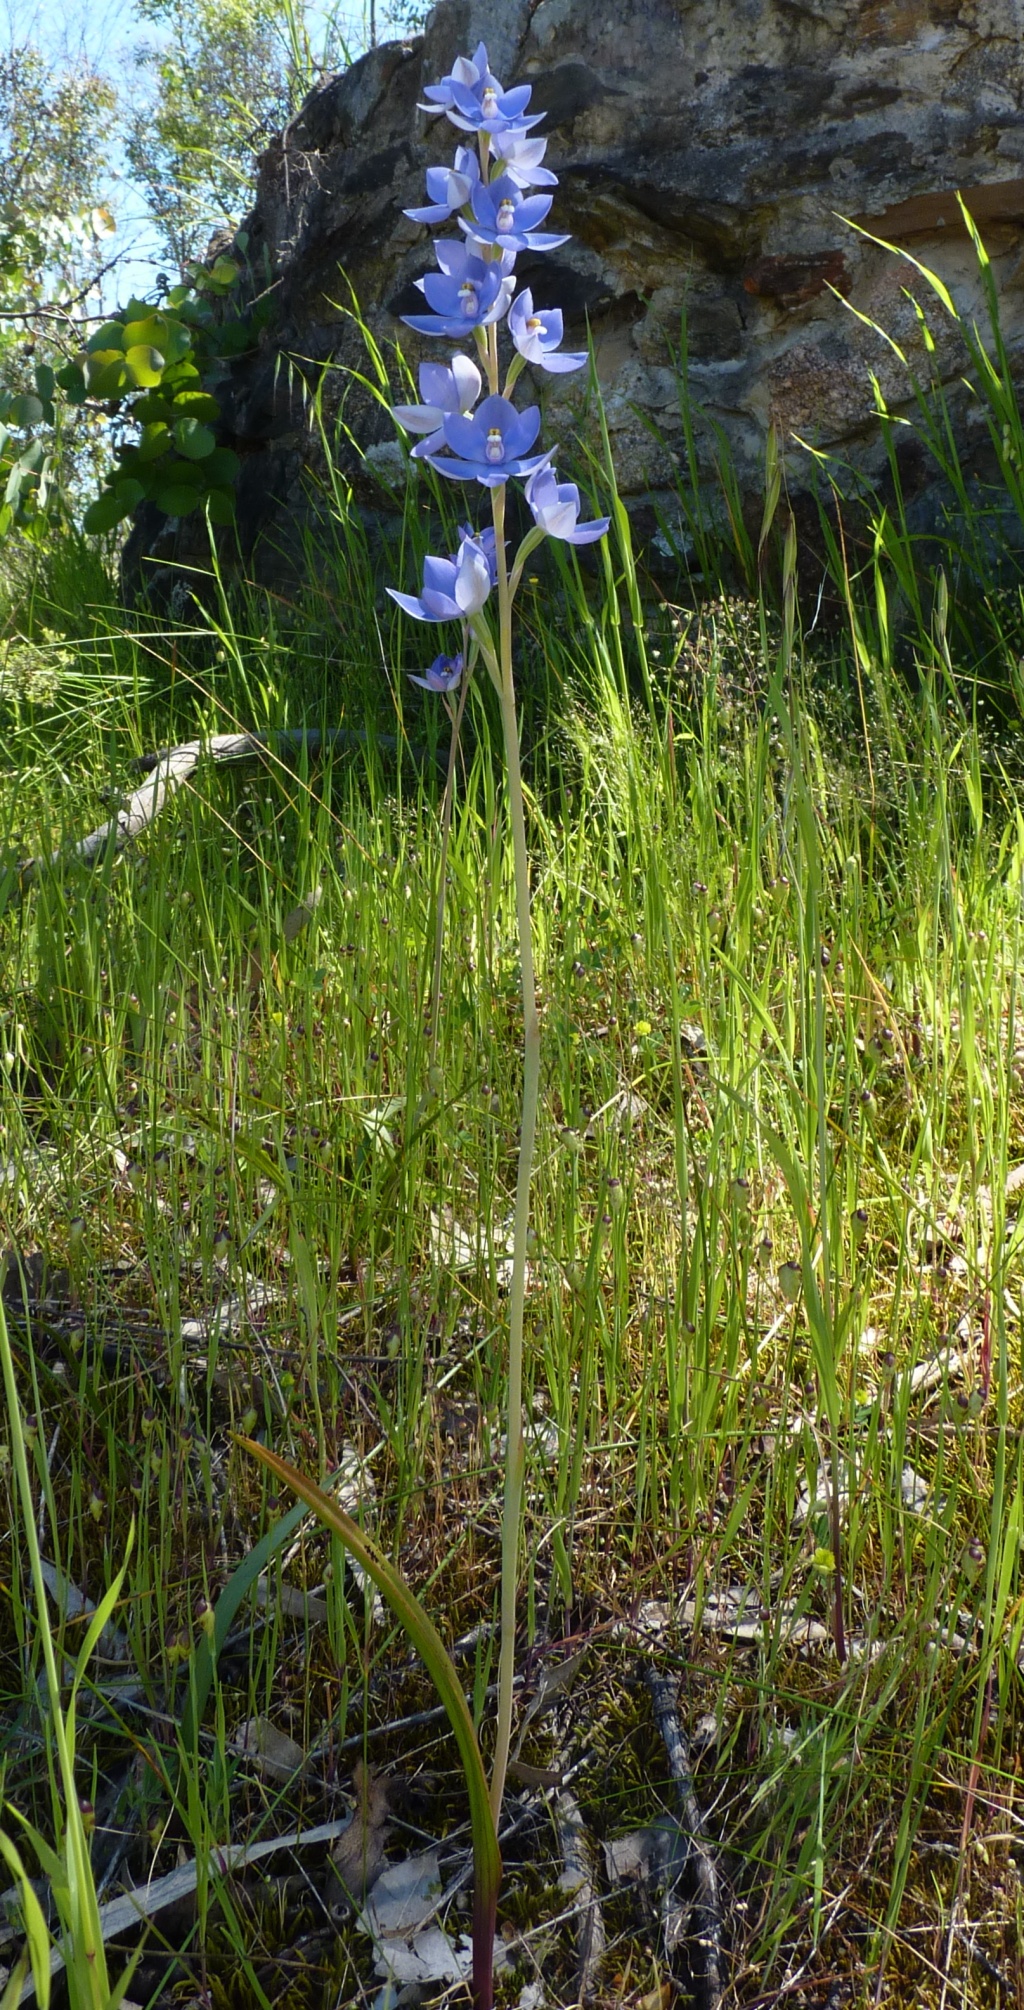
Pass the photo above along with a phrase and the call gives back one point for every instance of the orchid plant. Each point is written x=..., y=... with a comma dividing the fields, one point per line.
x=471, y=437
x=497, y=192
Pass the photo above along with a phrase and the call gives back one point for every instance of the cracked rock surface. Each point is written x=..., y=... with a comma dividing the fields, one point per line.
x=713, y=162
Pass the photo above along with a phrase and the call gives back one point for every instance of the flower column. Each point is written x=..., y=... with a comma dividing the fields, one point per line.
x=489, y=441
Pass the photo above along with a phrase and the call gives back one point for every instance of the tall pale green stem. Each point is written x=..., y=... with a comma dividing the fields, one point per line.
x=515, y=1458
x=455, y=715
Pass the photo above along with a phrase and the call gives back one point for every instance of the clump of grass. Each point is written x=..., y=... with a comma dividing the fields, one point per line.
x=773, y=1376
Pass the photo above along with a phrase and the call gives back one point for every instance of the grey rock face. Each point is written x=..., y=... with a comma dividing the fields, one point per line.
x=708, y=155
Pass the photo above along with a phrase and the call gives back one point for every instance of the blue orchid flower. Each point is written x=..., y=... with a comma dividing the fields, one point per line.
x=453, y=588
x=444, y=674
x=503, y=215
x=556, y=507
x=537, y=336
x=449, y=189
x=468, y=292
x=474, y=100
x=491, y=445
x=468, y=70
x=522, y=154
x=486, y=540
x=443, y=390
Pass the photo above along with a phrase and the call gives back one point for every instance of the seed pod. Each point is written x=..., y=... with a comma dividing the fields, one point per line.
x=791, y=1281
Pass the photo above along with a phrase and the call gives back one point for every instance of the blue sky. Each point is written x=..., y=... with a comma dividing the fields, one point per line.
x=105, y=32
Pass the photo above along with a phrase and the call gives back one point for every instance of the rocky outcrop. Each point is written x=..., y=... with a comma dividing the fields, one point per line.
x=719, y=166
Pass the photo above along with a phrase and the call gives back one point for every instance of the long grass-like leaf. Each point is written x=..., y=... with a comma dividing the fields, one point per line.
x=431, y=1648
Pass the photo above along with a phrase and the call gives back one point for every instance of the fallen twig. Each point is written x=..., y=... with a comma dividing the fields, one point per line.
x=577, y=1881
x=699, y=1865
x=134, y=1908
x=166, y=771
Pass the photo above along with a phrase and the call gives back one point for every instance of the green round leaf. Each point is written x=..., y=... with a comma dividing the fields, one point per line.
x=193, y=439
x=71, y=379
x=45, y=381
x=221, y=466
x=234, y=338
x=106, y=373
x=145, y=365
x=155, y=441
x=225, y=272
x=221, y=505
x=187, y=474
x=146, y=327
x=107, y=511
x=160, y=331
x=24, y=410
x=18, y=479
x=129, y=492
x=110, y=336
x=182, y=376
x=152, y=409
x=197, y=405
x=176, y=499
